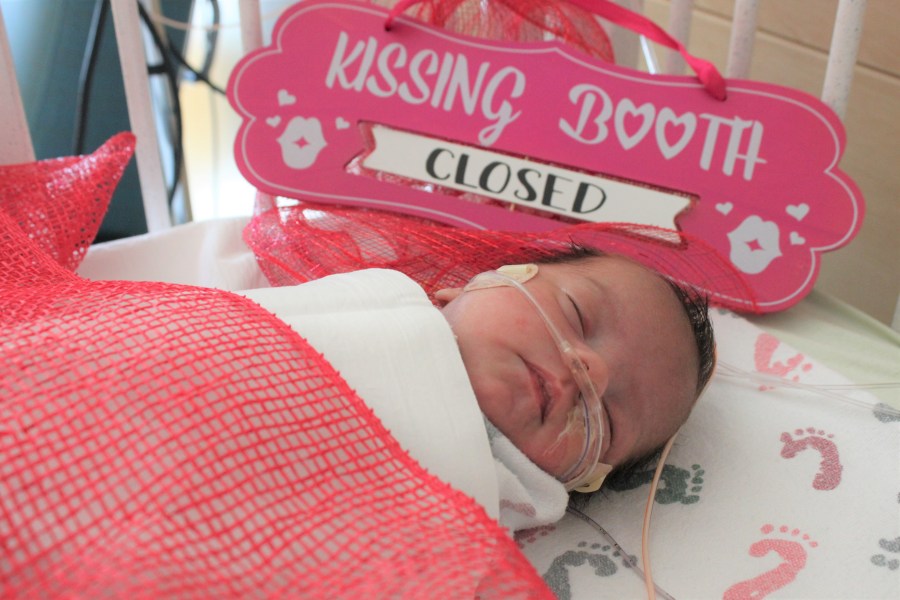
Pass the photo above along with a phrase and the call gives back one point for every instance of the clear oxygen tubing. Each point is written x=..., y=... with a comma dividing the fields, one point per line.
x=727, y=371
x=648, y=511
x=826, y=390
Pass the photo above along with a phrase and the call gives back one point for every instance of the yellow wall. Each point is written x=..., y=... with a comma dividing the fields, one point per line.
x=791, y=49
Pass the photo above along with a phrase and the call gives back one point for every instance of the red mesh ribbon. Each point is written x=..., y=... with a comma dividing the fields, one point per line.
x=570, y=21
x=706, y=71
x=60, y=203
x=164, y=441
x=299, y=243
x=520, y=20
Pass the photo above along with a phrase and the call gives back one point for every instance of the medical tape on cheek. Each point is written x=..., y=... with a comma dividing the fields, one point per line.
x=502, y=277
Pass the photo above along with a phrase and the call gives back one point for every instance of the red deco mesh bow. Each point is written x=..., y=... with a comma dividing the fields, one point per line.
x=299, y=243
x=521, y=20
x=165, y=441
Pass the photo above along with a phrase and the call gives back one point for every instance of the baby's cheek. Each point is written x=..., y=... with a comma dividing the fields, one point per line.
x=521, y=322
x=492, y=392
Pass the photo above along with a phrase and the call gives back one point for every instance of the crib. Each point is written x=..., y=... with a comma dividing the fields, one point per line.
x=784, y=482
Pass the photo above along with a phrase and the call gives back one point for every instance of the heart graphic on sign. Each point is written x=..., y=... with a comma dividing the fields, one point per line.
x=668, y=117
x=285, y=98
x=724, y=207
x=273, y=121
x=798, y=211
x=627, y=108
x=797, y=239
x=341, y=123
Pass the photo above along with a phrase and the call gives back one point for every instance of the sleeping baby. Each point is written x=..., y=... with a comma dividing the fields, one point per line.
x=573, y=367
x=584, y=364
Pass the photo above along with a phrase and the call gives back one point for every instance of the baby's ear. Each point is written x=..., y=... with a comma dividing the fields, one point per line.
x=447, y=294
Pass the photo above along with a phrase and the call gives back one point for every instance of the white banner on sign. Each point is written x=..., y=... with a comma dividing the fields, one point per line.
x=524, y=182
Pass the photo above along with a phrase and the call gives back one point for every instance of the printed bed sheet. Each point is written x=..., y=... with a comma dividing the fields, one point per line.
x=770, y=491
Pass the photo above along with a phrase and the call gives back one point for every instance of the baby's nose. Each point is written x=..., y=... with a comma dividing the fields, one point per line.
x=596, y=366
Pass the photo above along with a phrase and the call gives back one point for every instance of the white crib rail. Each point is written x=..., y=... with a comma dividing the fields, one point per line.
x=15, y=143
x=842, y=53
x=140, y=112
x=680, y=28
x=251, y=39
x=842, y=56
x=251, y=25
x=743, y=34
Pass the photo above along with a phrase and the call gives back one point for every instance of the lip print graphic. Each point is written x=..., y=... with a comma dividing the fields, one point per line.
x=754, y=245
x=301, y=141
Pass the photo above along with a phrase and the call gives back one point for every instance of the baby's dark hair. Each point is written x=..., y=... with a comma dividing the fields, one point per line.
x=696, y=307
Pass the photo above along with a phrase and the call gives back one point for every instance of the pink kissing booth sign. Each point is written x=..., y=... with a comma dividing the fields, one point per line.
x=531, y=136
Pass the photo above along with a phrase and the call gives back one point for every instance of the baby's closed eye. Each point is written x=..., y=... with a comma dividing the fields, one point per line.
x=579, y=322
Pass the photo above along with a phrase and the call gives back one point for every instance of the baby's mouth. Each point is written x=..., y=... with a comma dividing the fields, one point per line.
x=541, y=392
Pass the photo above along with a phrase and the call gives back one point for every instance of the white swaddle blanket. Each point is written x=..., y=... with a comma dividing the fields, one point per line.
x=380, y=331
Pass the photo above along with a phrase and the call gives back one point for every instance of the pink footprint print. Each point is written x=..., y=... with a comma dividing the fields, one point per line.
x=529, y=536
x=793, y=554
x=764, y=359
x=830, y=469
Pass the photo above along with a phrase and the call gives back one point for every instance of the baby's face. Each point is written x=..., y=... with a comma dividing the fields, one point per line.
x=629, y=329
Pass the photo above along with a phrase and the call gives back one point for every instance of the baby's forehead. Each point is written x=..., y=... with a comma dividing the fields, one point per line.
x=608, y=270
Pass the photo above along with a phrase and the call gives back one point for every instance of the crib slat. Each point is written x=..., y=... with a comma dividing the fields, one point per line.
x=680, y=15
x=15, y=143
x=743, y=30
x=845, y=38
x=251, y=39
x=627, y=45
x=129, y=40
x=895, y=324
x=251, y=25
